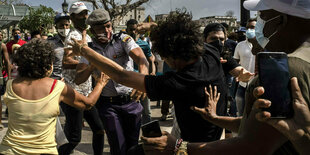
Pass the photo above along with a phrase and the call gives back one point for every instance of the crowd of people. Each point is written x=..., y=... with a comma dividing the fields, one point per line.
x=108, y=79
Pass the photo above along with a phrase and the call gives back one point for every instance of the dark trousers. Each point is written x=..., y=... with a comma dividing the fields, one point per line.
x=165, y=107
x=122, y=124
x=73, y=129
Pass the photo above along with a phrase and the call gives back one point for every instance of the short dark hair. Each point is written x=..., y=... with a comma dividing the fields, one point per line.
x=131, y=22
x=225, y=25
x=251, y=20
x=213, y=27
x=33, y=33
x=15, y=29
x=178, y=37
x=34, y=58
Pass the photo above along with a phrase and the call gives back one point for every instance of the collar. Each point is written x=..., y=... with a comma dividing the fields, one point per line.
x=303, y=52
x=248, y=43
x=97, y=45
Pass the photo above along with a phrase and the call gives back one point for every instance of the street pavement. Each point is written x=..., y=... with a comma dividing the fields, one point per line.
x=85, y=147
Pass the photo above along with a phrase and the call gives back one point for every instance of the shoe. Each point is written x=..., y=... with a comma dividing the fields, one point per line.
x=163, y=118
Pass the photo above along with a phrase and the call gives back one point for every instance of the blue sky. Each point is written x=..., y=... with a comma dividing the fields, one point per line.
x=199, y=8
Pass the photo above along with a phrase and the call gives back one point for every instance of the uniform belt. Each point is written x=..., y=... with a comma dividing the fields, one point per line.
x=119, y=99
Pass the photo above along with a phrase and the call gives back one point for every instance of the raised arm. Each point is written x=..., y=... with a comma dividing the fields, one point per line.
x=68, y=62
x=138, y=57
x=109, y=67
x=83, y=71
x=209, y=112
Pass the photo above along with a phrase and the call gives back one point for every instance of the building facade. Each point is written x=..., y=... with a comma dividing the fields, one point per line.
x=137, y=14
x=231, y=21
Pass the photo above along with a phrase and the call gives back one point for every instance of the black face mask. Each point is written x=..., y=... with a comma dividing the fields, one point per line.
x=81, y=23
x=218, y=45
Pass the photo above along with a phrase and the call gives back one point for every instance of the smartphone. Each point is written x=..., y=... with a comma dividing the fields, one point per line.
x=151, y=129
x=274, y=76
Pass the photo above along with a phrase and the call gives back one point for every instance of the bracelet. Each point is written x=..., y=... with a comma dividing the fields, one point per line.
x=177, y=145
x=81, y=46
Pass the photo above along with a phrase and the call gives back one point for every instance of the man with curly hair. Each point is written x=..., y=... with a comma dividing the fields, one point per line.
x=178, y=41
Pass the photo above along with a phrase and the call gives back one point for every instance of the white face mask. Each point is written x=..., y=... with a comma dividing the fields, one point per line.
x=63, y=32
x=259, y=31
x=103, y=38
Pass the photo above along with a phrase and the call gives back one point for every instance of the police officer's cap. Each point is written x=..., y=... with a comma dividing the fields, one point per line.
x=98, y=16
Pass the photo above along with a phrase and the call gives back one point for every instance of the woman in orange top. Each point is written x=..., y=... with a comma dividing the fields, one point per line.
x=33, y=101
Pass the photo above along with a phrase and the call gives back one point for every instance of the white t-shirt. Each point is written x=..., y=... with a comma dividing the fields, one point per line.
x=243, y=52
x=84, y=88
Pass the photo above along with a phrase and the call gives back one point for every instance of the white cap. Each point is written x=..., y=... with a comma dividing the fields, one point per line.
x=77, y=7
x=298, y=8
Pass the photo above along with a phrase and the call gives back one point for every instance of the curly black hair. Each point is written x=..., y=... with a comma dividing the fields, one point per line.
x=34, y=58
x=178, y=37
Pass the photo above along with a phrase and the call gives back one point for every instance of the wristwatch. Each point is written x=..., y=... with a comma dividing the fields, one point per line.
x=182, y=149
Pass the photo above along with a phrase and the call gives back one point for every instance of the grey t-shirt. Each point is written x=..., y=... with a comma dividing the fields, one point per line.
x=59, y=52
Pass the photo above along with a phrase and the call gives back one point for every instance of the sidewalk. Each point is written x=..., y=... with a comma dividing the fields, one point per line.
x=85, y=148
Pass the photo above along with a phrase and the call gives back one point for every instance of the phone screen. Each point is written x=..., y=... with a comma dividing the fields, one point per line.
x=151, y=129
x=275, y=78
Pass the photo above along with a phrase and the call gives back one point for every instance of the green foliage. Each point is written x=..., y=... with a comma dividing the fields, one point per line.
x=38, y=19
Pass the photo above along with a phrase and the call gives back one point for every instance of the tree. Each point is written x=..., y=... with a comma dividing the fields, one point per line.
x=38, y=19
x=229, y=13
x=117, y=8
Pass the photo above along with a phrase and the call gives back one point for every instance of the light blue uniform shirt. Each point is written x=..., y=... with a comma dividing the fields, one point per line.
x=118, y=51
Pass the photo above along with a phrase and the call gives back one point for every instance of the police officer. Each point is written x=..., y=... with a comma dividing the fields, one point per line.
x=120, y=113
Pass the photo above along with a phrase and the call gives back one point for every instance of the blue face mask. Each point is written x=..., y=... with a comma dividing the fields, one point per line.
x=17, y=37
x=259, y=31
x=250, y=33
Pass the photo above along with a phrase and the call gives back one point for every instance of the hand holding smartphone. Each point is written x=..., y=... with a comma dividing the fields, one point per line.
x=275, y=78
x=151, y=129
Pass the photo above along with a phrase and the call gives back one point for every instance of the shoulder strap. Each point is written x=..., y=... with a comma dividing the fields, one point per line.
x=53, y=86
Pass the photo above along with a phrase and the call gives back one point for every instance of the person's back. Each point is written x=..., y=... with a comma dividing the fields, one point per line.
x=33, y=107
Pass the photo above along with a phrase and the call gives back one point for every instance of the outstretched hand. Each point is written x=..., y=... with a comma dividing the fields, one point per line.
x=77, y=45
x=144, y=27
x=102, y=79
x=244, y=75
x=296, y=129
x=209, y=111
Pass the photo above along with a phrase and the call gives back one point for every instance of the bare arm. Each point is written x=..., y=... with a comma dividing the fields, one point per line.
x=241, y=74
x=68, y=62
x=209, y=112
x=139, y=58
x=114, y=70
x=151, y=60
x=7, y=60
x=77, y=100
x=83, y=71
